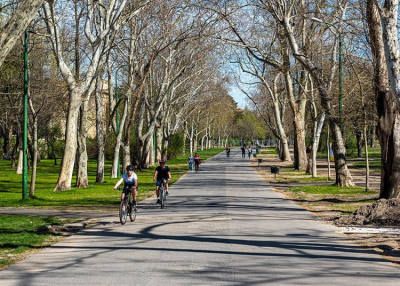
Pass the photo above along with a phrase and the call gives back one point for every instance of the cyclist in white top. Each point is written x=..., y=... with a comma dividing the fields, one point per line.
x=131, y=181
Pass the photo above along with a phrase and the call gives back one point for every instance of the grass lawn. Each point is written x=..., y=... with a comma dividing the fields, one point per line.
x=319, y=194
x=344, y=200
x=374, y=165
x=328, y=190
x=19, y=235
x=97, y=194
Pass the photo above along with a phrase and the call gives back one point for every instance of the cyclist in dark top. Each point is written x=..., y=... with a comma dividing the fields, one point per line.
x=197, y=161
x=162, y=173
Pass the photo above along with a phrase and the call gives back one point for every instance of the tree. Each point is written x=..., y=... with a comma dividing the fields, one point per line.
x=16, y=25
x=385, y=51
x=97, y=34
x=284, y=14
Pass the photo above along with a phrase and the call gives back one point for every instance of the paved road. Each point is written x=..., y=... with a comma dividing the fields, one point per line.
x=221, y=226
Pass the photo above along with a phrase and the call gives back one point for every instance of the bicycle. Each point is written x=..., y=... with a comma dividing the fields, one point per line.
x=197, y=167
x=126, y=209
x=162, y=193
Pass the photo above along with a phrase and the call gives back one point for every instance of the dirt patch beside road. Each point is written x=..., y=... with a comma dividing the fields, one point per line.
x=381, y=213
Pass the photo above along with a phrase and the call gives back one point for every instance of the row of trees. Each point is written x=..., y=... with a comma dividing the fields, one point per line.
x=158, y=58
x=170, y=59
x=291, y=52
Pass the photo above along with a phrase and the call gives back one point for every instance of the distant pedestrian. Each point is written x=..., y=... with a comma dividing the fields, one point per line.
x=249, y=152
x=228, y=150
x=243, y=152
x=309, y=160
x=308, y=152
x=191, y=162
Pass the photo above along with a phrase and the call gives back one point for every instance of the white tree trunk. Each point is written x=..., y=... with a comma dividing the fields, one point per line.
x=20, y=162
x=159, y=140
x=165, y=148
x=71, y=137
x=126, y=157
x=195, y=141
x=81, y=177
x=16, y=26
x=389, y=16
x=316, y=137
x=118, y=142
x=284, y=146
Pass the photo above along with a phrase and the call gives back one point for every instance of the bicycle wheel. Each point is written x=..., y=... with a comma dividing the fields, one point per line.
x=132, y=213
x=123, y=211
x=162, y=195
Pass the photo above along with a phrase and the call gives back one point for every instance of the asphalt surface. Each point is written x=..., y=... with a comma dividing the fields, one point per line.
x=221, y=226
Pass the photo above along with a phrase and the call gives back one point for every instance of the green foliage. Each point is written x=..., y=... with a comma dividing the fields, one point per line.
x=54, y=141
x=175, y=145
x=109, y=147
x=351, y=145
x=249, y=126
x=91, y=148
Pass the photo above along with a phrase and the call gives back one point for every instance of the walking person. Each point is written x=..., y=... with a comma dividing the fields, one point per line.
x=249, y=152
x=191, y=162
x=243, y=152
x=309, y=160
x=228, y=150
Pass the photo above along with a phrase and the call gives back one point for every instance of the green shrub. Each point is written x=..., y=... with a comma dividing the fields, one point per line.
x=91, y=148
x=351, y=145
x=175, y=146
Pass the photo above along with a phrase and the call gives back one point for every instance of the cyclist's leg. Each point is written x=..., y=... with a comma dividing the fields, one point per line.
x=124, y=193
x=166, y=187
x=134, y=193
x=158, y=184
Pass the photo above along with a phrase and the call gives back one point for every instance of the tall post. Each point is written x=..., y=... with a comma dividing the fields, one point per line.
x=154, y=146
x=25, y=122
x=116, y=117
x=154, y=130
x=340, y=82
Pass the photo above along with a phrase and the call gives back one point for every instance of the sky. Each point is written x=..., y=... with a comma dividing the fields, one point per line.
x=234, y=91
x=238, y=96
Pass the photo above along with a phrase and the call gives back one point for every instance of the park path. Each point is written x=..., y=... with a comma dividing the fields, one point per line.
x=221, y=226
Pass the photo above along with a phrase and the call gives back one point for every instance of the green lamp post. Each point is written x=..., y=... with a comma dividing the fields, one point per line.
x=25, y=122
